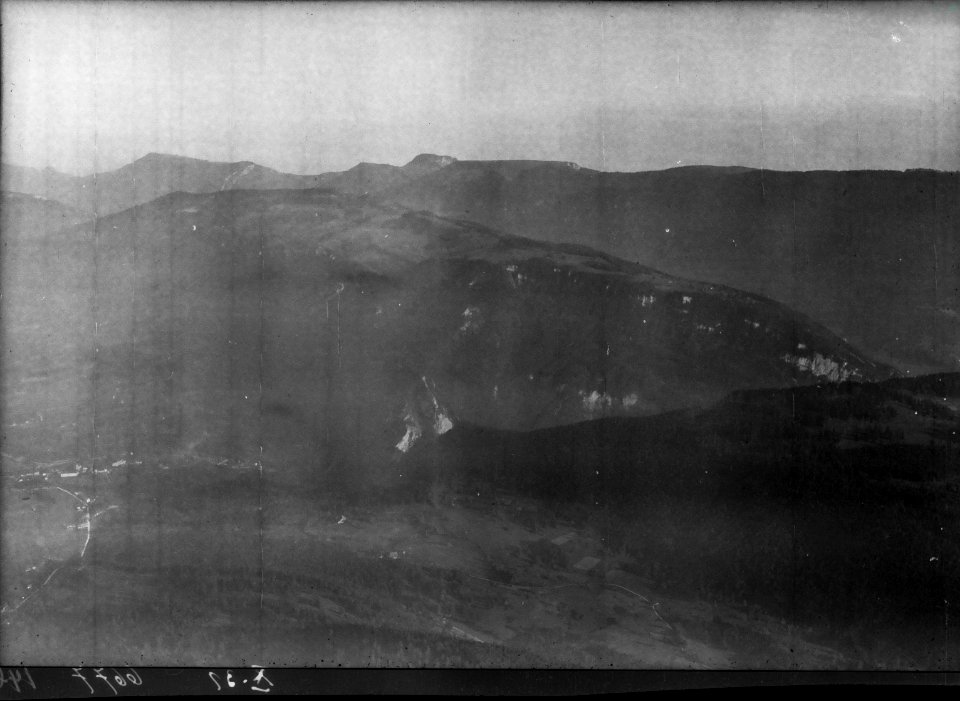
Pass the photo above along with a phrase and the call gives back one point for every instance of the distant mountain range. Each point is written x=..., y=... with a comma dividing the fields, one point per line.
x=873, y=255
x=157, y=174
x=145, y=179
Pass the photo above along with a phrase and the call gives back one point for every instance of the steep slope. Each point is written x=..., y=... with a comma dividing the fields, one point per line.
x=901, y=430
x=336, y=333
x=833, y=507
x=871, y=254
x=38, y=302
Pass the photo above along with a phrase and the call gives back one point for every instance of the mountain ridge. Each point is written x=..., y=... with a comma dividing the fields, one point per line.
x=381, y=328
x=449, y=160
x=841, y=246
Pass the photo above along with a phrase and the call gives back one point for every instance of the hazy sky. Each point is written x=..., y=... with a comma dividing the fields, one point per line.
x=312, y=87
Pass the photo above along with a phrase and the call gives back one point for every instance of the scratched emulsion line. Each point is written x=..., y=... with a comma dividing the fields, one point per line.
x=260, y=442
x=96, y=320
x=86, y=523
x=339, y=341
x=601, y=193
x=602, y=83
x=763, y=150
x=133, y=446
x=171, y=386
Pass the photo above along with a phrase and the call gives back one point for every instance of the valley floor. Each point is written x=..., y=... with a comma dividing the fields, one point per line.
x=204, y=565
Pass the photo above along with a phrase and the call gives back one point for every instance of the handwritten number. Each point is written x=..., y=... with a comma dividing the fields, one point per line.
x=78, y=673
x=261, y=676
x=132, y=676
x=99, y=671
x=13, y=678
